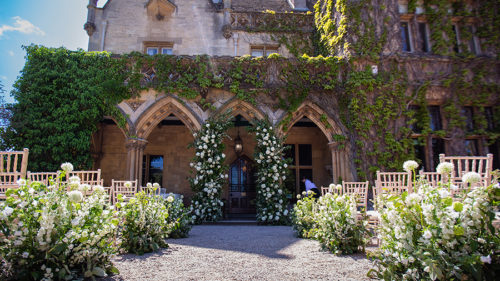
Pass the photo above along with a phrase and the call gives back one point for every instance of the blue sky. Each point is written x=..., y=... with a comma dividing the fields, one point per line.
x=51, y=23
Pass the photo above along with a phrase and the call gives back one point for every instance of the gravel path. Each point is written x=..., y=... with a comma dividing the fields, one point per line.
x=220, y=252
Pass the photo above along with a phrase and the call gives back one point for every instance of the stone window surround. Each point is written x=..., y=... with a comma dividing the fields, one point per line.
x=414, y=19
x=157, y=44
x=265, y=49
x=481, y=140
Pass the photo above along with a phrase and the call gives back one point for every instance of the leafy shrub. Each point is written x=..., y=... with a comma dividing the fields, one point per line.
x=338, y=228
x=426, y=235
x=49, y=233
x=145, y=224
x=303, y=217
x=179, y=218
x=333, y=221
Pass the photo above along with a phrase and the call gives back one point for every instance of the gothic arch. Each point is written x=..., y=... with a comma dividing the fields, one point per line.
x=317, y=115
x=159, y=111
x=243, y=108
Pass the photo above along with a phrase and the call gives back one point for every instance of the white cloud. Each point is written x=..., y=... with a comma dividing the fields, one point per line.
x=23, y=26
x=11, y=53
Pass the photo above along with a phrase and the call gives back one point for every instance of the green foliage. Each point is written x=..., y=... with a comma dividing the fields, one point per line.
x=61, y=96
x=179, y=218
x=145, y=222
x=333, y=221
x=303, y=221
x=46, y=234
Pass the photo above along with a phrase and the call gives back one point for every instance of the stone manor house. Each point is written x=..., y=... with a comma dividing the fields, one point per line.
x=161, y=125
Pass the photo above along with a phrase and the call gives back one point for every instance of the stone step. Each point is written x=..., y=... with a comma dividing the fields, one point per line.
x=233, y=222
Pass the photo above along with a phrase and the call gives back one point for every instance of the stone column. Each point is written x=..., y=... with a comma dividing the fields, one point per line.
x=340, y=163
x=90, y=24
x=135, y=151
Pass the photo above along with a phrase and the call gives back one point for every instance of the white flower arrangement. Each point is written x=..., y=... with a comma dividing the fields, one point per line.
x=211, y=172
x=272, y=171
x=428, y=236
x=53, y=233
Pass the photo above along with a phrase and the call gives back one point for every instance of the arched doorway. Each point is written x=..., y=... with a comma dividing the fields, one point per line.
x=242, y=192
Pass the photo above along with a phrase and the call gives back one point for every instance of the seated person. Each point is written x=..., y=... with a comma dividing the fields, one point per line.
x=310, y=186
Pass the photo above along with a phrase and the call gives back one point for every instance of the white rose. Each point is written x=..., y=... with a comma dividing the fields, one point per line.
x=170, y=199
x=486, y=259
x=7, y=211
x=75, y=196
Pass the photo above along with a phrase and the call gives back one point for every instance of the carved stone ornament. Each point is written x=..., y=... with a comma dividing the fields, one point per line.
x=89, y=27
x=135, y=104
x=227, y=31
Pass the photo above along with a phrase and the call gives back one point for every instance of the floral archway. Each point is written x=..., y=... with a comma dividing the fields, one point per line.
x=211, y=173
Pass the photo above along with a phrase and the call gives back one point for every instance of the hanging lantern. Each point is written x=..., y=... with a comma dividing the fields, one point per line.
x=238, y=144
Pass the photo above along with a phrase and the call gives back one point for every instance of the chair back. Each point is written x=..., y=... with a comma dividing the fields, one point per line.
x=87, y=177
x=325, y=190
x=431, y=178
x=43, y=177
x=358, y=189
x=483, y=165
x=118, y=187
x=13, y=166
x=393, y=182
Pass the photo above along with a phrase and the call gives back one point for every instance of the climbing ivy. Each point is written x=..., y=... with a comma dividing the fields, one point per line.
x=61, y=96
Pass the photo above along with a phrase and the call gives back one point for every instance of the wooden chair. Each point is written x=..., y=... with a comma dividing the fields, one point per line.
x=483, y=165
x=87, y=177
x=44, y=177
x=393, y=182
x=431, y=178
x=13, y=166
x=360, y=190
x=118, y=187
x=325, y=190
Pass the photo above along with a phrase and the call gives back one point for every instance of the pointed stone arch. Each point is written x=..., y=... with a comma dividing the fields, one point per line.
x=317, y=115
x=242, y=108
x=160, y=110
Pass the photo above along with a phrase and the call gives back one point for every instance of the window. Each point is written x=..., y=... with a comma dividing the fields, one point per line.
x=473, y=47
x=405, y=36
x=422, y=29
x=490, y=123
x=471, y=147
x=456, y=47
x=152, y=169
x=415, y=127
x=260, y=51
x=437, y=148
x=419, y=148
x=301, y=166
x=155, y=48
x=467, y=112
x=494, y=149
x=435, y=116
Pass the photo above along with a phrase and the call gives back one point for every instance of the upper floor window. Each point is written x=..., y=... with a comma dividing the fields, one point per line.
x=424, y=37
x=468, y=113
x=261, y=51
x=490, y=123
x=456, y=47
x=405, y=36
x=435, y=114
x=155, y=48
x=473, y=41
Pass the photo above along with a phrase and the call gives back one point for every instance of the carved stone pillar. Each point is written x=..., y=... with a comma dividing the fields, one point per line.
x=90, y=24
x=340, y=162
x=135, y=151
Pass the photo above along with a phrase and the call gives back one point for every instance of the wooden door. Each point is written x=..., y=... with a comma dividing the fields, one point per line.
x=242, y=192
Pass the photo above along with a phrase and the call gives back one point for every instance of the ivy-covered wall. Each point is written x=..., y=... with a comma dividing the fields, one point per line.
x=334, y=68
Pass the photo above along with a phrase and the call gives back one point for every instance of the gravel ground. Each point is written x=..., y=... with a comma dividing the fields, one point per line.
x=221, y=252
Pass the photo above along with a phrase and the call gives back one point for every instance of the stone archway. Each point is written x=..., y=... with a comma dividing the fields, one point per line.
x=161, y=109
x=340, y=164
x=245, y=109
x=147, y=122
